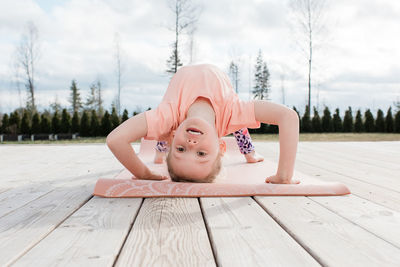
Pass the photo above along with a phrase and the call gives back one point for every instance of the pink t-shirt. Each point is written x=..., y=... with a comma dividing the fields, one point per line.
x=189, y=83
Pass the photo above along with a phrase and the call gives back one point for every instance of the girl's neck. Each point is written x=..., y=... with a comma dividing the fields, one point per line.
x=202, y=108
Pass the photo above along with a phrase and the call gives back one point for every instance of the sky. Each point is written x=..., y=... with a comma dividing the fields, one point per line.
x=355, y=61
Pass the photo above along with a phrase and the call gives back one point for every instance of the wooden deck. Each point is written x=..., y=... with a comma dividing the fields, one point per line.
x=49, y=217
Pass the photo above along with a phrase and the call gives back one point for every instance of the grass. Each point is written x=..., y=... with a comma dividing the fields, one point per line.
x=304, y=137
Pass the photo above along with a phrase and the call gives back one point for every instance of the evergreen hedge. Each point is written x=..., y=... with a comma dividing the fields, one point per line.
x=91, y=123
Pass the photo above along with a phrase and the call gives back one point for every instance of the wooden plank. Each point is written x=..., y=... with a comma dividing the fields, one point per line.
x=374, y=193
x=333, y=239
x=243, y=234
x=92, y=236
x=23, y=228
x=341, y=154
x=381, y=221
x=366, y=155
x=380, y=178
x=168, y=232
x=22, y=195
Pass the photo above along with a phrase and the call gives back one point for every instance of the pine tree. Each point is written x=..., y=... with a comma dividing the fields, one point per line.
x=45, y=126
x=36, y=123
x=369, y=123
x=380, y=122
x=337, y=121
x=91, y=101
x=94, y=124
x=106, y=125
x=114, y=118
x=348, y=121
x=389, y=127
x=15, y=123
x=261, y=78
x=125, y=115
x=316, y=122
x=25, y=125
x=55, y=123
x=306, y=121
x=85, y=128
x=359, y=126
x=75, y=125
x=5, y=123
x=65, y=126
x=99, y=99
x=397, y=122
x=75, y=99
x=327, y=124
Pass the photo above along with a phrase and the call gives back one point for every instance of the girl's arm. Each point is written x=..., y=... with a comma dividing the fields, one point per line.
x=288, y=122
x=119, y=141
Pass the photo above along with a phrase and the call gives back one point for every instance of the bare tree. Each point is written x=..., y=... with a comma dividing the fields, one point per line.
x=192, y=44
x=282, y=76
x=118, y=70
x=234, y=75
x=186, y=15
x=308, y=18
x=28, y=54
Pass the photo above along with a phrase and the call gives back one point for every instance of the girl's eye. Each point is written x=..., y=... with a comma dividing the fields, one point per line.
x=201, y=153
x=180, y=149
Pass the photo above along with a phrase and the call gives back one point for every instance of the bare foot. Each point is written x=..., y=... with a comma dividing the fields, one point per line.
x=253, y=157
x=159, y=158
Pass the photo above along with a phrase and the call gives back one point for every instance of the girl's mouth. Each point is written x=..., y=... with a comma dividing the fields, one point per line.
x=194, y=131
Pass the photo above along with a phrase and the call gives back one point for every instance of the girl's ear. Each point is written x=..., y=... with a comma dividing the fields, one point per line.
x=222, y=147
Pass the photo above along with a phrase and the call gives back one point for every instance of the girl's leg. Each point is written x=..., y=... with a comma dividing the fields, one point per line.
x=246, y=147
x=161, y=149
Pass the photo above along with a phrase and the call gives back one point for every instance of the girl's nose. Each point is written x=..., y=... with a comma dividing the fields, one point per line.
x=190, y=141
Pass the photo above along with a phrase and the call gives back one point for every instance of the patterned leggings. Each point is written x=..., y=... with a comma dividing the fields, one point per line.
x=242, y=136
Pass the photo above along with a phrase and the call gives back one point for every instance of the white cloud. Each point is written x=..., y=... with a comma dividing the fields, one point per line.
x=77, y=43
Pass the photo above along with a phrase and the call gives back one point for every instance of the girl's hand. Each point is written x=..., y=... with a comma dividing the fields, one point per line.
x=274, y=179
x=153, y=176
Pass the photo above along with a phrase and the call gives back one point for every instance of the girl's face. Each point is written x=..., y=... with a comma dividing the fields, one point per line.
x=194, y=149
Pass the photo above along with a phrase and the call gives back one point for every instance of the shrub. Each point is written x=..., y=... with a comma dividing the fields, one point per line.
x=369, y=123
x=35, y=124
x=94, y=124
x=316, y=122
x=85, y=129
x=75, y=125
x=389, y=126
x=380, y=122
x=106, y=126
x=337, y=122
x=55, y=123
x=305, y=121
x=327, y=124
x=125, y=116
x=348, y=121
x=65, y=126
x=358, y=126
x=45, y=125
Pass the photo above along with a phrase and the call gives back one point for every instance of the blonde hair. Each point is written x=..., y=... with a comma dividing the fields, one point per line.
x=216, y=168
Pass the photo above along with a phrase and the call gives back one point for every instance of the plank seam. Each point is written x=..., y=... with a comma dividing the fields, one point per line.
x=56, y=226
x=338, y=173
x=292, y=235
x=127, y=234
x=354, y=222
x=214, y=252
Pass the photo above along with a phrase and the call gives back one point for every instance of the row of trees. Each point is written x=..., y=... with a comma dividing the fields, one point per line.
x=91, y=123
x=334, y=123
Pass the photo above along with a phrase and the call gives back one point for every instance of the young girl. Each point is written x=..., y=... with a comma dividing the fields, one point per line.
x=243, y=140
x=198, y=108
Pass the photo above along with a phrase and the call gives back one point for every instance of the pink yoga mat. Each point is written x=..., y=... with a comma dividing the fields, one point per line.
x=237, y=178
